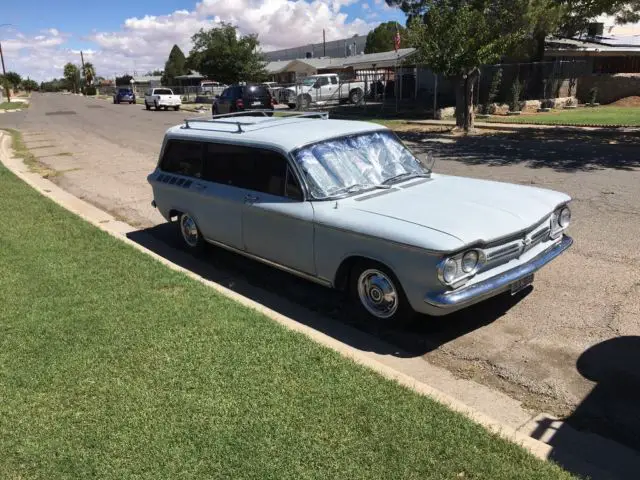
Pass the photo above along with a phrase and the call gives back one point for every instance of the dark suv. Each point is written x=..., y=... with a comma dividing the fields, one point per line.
x=238, y=98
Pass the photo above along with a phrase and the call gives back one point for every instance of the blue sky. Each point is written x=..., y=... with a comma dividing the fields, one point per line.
x=119, y=36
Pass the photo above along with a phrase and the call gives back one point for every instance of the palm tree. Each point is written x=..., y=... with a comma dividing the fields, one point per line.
x=89, y=73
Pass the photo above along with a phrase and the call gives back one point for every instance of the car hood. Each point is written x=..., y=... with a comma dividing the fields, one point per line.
x=469, y=209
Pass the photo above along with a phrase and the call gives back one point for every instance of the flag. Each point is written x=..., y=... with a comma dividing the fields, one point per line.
x=396, y=39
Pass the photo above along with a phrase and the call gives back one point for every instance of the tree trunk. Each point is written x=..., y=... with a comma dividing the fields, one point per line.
x=464, y=100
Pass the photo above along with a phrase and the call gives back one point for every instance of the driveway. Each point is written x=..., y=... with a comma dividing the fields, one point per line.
x=527, y=346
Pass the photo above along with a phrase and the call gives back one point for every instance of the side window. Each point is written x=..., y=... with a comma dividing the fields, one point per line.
x=322, y=81
x=292, y=187
x=334, y=80
x=183, y=158
x=225, y=94
x=255, y=169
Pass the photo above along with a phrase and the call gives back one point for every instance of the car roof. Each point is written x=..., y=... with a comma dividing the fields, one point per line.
x=281, y=133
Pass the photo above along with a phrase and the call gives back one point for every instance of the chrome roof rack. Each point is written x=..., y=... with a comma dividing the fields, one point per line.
x=221, y=119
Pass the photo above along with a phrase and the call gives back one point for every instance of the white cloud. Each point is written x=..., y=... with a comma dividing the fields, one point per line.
x=365, y=6
x=143, y=43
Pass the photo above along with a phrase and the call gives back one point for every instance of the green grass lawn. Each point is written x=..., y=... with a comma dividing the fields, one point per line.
x=13, y=105
x=618, y=116
x=113, y=366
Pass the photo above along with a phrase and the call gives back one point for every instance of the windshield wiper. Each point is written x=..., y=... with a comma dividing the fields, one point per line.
x=405, y=176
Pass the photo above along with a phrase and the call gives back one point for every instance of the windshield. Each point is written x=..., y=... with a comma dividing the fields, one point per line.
x=354, y=163
x=309, y=81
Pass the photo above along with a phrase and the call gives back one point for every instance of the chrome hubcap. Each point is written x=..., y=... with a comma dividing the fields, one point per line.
x=189, y=230
x=377, y=293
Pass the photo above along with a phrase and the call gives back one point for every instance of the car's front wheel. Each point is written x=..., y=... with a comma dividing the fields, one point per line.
x=190, y=234
x=147, y=106
x=176, y=108
x=378, y=295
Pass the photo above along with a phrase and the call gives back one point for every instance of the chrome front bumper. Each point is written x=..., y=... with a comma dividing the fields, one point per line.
x=495, y=285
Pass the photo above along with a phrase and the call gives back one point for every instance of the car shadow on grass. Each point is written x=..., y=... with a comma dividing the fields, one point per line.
x=325, y=310
x=559, y=150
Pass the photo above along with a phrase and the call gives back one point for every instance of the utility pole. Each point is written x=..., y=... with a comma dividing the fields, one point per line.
x=83, y=72
x=4, y=74
x=324, y=44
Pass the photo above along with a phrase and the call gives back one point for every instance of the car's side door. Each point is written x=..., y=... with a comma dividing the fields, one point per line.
x=222, y=199
x=322, y=89
x=223, y=101
x=277, y=224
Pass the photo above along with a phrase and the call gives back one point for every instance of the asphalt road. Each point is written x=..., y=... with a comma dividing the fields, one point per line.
x=544, y=347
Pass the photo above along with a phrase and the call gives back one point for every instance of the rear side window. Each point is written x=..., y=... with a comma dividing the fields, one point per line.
x=183, y=158
x=254, y=169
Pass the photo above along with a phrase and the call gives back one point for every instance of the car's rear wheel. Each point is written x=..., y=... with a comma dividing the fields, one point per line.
x=176, y=108
x=165, y=108
x=355, y=96
x=378, y=295
x=291, y=105
x=190, y=233
x=147, y=106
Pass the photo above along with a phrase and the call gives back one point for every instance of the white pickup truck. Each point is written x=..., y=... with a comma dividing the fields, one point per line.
x=321, y=89
x=161, y=98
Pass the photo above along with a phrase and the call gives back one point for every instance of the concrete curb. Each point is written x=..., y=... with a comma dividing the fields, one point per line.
x=119, y=230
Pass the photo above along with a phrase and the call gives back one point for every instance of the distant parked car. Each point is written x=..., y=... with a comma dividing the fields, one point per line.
x=239, y=98
x=347, y=205
x=124, y=95
x=161, y=98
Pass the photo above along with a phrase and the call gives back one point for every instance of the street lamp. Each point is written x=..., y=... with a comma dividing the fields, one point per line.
x=4, y=72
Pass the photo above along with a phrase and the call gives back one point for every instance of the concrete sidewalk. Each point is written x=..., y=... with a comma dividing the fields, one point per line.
x=518, y=127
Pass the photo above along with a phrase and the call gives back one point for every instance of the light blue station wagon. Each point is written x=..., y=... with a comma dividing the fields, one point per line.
x=346, y=204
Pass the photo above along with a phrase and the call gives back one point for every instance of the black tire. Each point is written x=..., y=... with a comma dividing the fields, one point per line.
x=304, y=101
x=147, y=106
x=355, y=96
x=381, y=283
x=291, y=105
x=114, y=101
x=176, y=108
x=189, y=234
x=156, y=106
x=165, y=108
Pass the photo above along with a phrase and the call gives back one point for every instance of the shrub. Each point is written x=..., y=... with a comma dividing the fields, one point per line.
x=90, y=90
x=493, y=92
x=516, y=93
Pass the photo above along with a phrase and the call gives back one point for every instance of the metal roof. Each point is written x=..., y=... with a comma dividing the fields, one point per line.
x=277, y=66
x=147, y=79
x=281, y=133
x=190, y=76
x=380, y=60
x=599, y=45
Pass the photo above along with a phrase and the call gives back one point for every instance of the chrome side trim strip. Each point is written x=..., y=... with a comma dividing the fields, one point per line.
x=495, y=284
x=293, y=271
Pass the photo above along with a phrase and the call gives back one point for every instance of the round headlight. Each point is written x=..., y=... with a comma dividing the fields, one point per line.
x=449, y=270
x=470, y=261
x=564, y=218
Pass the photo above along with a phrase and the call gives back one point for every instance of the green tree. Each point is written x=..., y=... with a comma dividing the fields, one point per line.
x=455, y=37
x=382, y=38
x=124, y=80
x=174, y=66
x=72, y=76
x=30, y=85
x=89, y=73
x=223, y=54
x=14, y=79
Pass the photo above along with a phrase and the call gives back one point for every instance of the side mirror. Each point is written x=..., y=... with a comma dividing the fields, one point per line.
x=427, y=160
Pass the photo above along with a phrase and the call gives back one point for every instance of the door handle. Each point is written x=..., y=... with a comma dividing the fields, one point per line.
x=249, y=198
